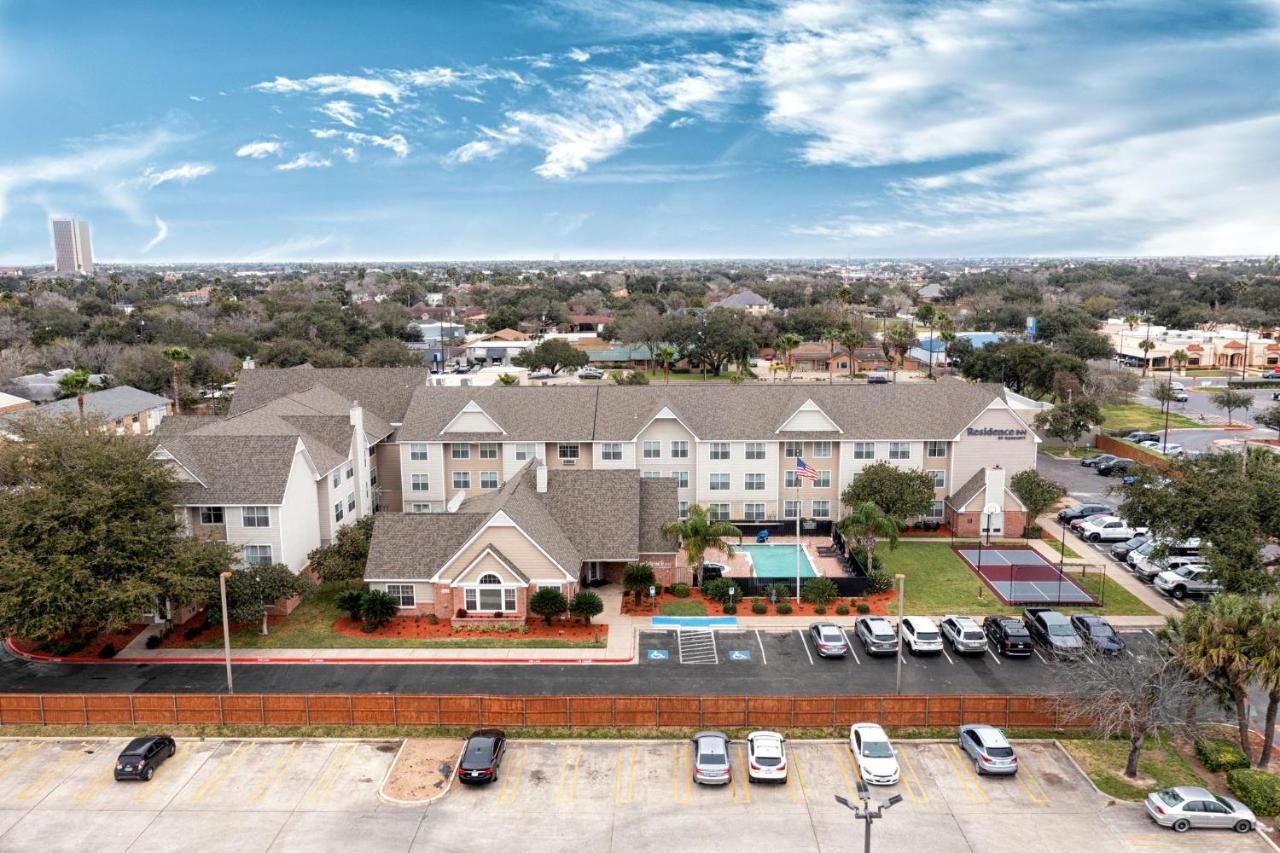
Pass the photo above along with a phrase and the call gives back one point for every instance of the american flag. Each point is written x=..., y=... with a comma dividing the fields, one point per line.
x=804, y=471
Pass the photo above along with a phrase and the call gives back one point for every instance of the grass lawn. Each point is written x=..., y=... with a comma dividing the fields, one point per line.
x=655, y=377
x=686, y=607
x=308, y=627
x=939, y=582
x=1139, y=417
x=1058, y=547
x=1159, y=766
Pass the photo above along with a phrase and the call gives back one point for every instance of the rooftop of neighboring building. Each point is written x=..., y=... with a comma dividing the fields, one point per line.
x=110, y=404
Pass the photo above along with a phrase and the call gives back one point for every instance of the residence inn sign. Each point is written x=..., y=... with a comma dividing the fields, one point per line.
x=996, y=432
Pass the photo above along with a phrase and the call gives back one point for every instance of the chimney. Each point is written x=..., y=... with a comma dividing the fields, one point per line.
x=248, y=363
x=995, y=485
x=541, y=474
x=357, y=419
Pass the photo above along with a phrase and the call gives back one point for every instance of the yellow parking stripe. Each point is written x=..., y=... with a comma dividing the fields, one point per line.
x=969, y=779
x=796, y=791
x=277, y=771
x=329, y=774
x=510, y=779
x=919, y=794
x=619, y=797
x=205, y=791
x=15, y=758
x=166, y=771
x=681, y=776
x=1032, y=785
x=51, y=772
x=844, y=774
x=742, y=777
x=97, y=785
x=1165, y=841
x=853, y=762
x=569, y=777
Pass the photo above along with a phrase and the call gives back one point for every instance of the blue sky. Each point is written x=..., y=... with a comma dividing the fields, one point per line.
x=276, y=131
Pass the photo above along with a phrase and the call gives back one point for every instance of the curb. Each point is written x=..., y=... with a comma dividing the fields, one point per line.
x=395, y=801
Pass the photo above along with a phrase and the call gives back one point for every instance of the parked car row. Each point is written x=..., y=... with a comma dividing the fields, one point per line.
x=1179, y=572
x=1006, y=636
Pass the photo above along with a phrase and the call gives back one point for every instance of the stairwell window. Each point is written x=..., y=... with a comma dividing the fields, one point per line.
x=255, y=516
x=420, y=483
x=525, y=451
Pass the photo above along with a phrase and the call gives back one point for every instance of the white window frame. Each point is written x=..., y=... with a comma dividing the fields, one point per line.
x=255, y=516
x=757, y=450
x=611, y=451
x=351, y=502
x=679, y=450
x=260, y=549
x=489, y=450
x=937, y=510
x=464, y=477
x=419, y=482
x=899, y=450
x=682, y=509
x=459, y=450
x=753, y=512
x=820, y=509
x=791, y=509
x=720, y=451
x=420, y=508
x=652, y=450
x=935, y=449
x=336, y=479
x=337, y=512
x=864, y=450
x=681, y=478
x=791, y=480
x=823, y=481
x=562, y=452
x=754, y=482
x=821, y=450
x=351, y=470
x=419, y=451
x=400, y=592
x=719, y=482
x=488, y=475
x=793, y=449
x=471, y=596
x=525, y=451
x=650, y=475
x=939, y=478
x=719, y=511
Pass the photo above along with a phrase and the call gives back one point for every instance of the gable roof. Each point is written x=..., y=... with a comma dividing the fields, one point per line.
x=385, y=391
x=111, y=404
x=744, y=299
x=220, y=464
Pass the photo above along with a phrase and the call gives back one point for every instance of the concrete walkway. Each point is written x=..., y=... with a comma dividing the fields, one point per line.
x=1141, y=591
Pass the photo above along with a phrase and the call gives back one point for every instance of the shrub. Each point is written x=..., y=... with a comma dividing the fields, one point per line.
x=377, y=610
x=842, y=610
x=1257, y=789
x=461, y=614
x=636, y=579
x=548, y=603
x=718, y=590
x=586, y=605
x=820, y=609
x=679, y=590
x=351, y=602
x=783, y=608
x=819, y=591
x=107, y=651
x=777, y=592
x=863, y=608
x=194, y=631
x=759, y=608
x=154, y=641
x=879, y=581
x=495, y=627
x=1219, y=754
x=729, y=609
x=859, y=556
x=433, y=619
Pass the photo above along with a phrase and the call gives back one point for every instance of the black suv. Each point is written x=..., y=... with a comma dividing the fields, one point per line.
x=142, y=755
x=1083, y=511
x=1008, y=635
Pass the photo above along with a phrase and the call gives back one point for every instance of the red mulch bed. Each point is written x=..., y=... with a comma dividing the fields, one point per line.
x=942, y=532
x=177, y=638
x=879, y=603
x=119, y=639
x=418, y=628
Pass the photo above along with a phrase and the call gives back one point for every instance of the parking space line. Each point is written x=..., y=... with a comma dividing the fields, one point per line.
x=796, y=791
x=968, y=779
x=1164, y=841
x=746, y=783
x=681, y=793
x=330, y=773
x=1039, y=795
x=760, y=642
x=849, y=641
x=514, y=779
x=948, y=657
x=844, y=774
x=1042, y=660
x=805, y=643
x=276, y=772
x=15, y=758
x=206, y=789
x=51, y=773
x=166, y=770
x=919, y=795
x=995, y=657
x=568, y=783
x=853, y=763
x=97, y=785
x=631, y=777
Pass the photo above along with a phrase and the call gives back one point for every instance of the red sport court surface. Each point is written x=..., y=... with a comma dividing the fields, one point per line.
x=1021, y=576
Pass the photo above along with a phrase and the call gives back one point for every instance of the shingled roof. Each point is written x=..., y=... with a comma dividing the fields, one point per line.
x=384, y=391
x=236, y=470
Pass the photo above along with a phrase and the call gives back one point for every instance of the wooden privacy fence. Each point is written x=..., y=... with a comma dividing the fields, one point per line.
x=387, y=709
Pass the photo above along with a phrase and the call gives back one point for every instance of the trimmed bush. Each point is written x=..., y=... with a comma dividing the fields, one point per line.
x=1257, y=789
x=107, y=651
x=350, y=602
x=842, y=610
x=759, y=608
x=819, y=591
x=783, y=608
x=495, y=627
x=820, y=610
x=718, y=590
x=679, y=590
x=154, y=641
x=548, y=603
x=777, y=592
x=729, y=609
x=377, y=609
x=1221, y=754
x=863, y=608
x=461, y=613
x=585, y=605
x=879, y=581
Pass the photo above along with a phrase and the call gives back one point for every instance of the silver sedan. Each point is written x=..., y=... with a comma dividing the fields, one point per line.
x=1190, y=807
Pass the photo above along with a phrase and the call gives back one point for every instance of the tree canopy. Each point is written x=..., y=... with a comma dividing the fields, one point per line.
x=897, y=492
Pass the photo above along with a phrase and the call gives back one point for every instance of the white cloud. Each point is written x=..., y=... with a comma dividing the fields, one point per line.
x=349, y=154
x=683, y=121
x=196, y=98
x=294, y=249
x=181, y=174
x=428, y=78
x=577, y=54
x=334, y=84
x=395, y=143
x=631, y=18
x=343, y=112
x=258, y=150
x=162, y=231
x=307, y=160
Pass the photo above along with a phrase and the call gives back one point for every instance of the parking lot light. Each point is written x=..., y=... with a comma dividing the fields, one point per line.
x=864, y=812
x=226, y=628
x=902, y=586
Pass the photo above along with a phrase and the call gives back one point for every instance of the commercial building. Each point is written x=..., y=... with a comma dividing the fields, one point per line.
x=72, y=250
x=1222, y=347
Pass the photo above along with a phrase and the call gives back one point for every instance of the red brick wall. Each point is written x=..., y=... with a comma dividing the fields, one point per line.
x=967, y=523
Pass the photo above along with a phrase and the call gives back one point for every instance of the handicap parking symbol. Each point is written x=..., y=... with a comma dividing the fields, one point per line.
x=739, y=654
x=658, y=654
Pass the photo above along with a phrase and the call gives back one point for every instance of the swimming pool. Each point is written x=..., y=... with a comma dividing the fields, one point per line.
x=778, y=561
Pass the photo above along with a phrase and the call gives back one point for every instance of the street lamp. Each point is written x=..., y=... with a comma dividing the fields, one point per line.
x=897, y=684
x=865, y=812
x=226, y=628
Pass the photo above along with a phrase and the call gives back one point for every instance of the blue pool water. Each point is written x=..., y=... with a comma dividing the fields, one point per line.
x=778, y=561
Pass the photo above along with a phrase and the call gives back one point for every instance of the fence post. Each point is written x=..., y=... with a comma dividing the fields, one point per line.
x=84, y=708
x=351, y=711
x=702, y=716
x=395, y=711
x=174, y=698
x=306, y=710
x=133, y=715
x=262, y=710
x=222, y=712
x=928, y=707
x=43, y=722
x=568, y=713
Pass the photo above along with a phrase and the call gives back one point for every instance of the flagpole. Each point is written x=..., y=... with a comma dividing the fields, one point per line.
x=799, y=510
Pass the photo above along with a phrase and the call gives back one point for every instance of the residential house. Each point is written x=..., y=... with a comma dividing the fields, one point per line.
x=42, y=387
x=594, y=323
x=748, y=301
x=126, y=410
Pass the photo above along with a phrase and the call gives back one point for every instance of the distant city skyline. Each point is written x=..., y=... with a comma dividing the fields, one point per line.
x=72, y=246
x=640, y=129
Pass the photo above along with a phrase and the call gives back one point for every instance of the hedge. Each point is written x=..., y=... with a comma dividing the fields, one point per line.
x=1219, y=754
x=1257, y=789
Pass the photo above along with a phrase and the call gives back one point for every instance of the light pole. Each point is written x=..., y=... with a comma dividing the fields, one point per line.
x=897, y=683
x=866, y=813
x=226, y=628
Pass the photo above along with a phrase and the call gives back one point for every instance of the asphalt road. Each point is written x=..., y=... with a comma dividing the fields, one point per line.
x=770, y=664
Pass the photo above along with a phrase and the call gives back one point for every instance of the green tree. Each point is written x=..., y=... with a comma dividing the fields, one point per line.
x=548, y=603
x=698, y=533
x=786, y=345
x=899, y=492
x=1070, y=419
x=585, y=605
x=851, y=339
x=342, y=560
x=76, y=382
x=377, y=609
x=900, y=339
x=508, y=379
x=665, y=355
x=1146, y=346
x=1037, y=492
x=636, y=579
x=389, y=352
x=1229, y=400
x=554, y=354
x=819, y=591
x=1269, y=417
x=721, y=590
x=1180, y=359
x=866, y=523
x=177, y=356
x=252, y=590
x=1265, y=651
x=88, y=537
x=351, y=602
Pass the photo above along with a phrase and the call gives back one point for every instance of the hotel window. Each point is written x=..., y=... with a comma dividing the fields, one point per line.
x=791, y=509
x=755, y=450
x=460, y=451
x=935, y=449
x=526, y=451
x=720, y=450
x=488, y=479
x=462, y=479
x=255, y=516
x=792, y=480
x=682, y=509
x=351, y=471
x=651, y=475
x=719, y=482
x=864, y=450
x=899, y=450
x=489, y=450
x=373, y=449
x=351, y=503
x=653, y=450
x=337, y=478
x=337, y=511
x=679, y=450
x=211, y=515
x=490, y=597
x=755, y=483
x=420, y=483
x=823, y=481
x=937, y=510
x=939, y=478
x=792, y=449
x=822, y=450
x=373, y=476
x=753, y=512
x=567, y=452
x=402, y=593
x=821, y=509
x=718, y=512
x=257, y=555
x=422, y=508
x=611, y=452
x=681, y=478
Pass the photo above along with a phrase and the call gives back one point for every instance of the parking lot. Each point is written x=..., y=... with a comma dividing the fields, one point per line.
x=58, y=795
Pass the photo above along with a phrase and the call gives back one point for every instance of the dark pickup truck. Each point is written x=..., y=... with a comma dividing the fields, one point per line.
x=1053, y=631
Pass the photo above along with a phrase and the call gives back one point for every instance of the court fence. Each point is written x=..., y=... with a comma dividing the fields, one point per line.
x=567, y=712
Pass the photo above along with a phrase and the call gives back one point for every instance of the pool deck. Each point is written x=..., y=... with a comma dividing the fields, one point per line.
x=740, y=566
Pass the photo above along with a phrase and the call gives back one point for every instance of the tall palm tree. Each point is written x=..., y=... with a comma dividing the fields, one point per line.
x=1179, y=360
x=900, y=339
x=1146, y=346
x=851, y=339
x=1265, y=641
x=927, y=314
x=698, y=533
x=1131, y=320
x=946, y=332
x=866, y=523
x=177, y=356
x=76, y=382
x=832, y=337
x=787, y=343
x=666, y=354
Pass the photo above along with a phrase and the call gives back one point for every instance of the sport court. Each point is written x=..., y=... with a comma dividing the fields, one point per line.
x=1021, y=576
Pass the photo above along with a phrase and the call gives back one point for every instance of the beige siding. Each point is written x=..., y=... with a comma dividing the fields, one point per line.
x=488, y=564
x=387, y=462
x=423, y=593
x=972, y=453
x=432, y=466
x=664, y=431
x=517, y=548
x=473, y=465
x=553, y=456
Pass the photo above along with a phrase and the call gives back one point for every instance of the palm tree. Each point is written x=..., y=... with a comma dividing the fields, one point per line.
x=176, y=356
x=1266, y=657
x=927, y=314
x=865, y=524
x=666, y=354
x=76, y=382
x=787, y=343
x=900, y=339
x=1180, y=359
x=698, y=533
x=508, y=379
x=1146, y=346
x=832, y=337
x=850, y=339
x=1131, y=320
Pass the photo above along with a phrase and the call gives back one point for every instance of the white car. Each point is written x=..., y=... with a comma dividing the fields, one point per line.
x=921, y=635
x=1189, y=580
x=1169, y=449
x=874, y=754
x=766, y=757
x=964, y=634
x=1109, y=528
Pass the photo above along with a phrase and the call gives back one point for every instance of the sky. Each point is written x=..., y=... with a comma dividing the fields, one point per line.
x=400, y=131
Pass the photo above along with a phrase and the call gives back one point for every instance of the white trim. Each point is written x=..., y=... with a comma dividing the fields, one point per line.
x=665, y=412
x=499, y=519
x=471, y=408
x=490, y=551
x=164, y=455
x=808, y=406
x=997, y=404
